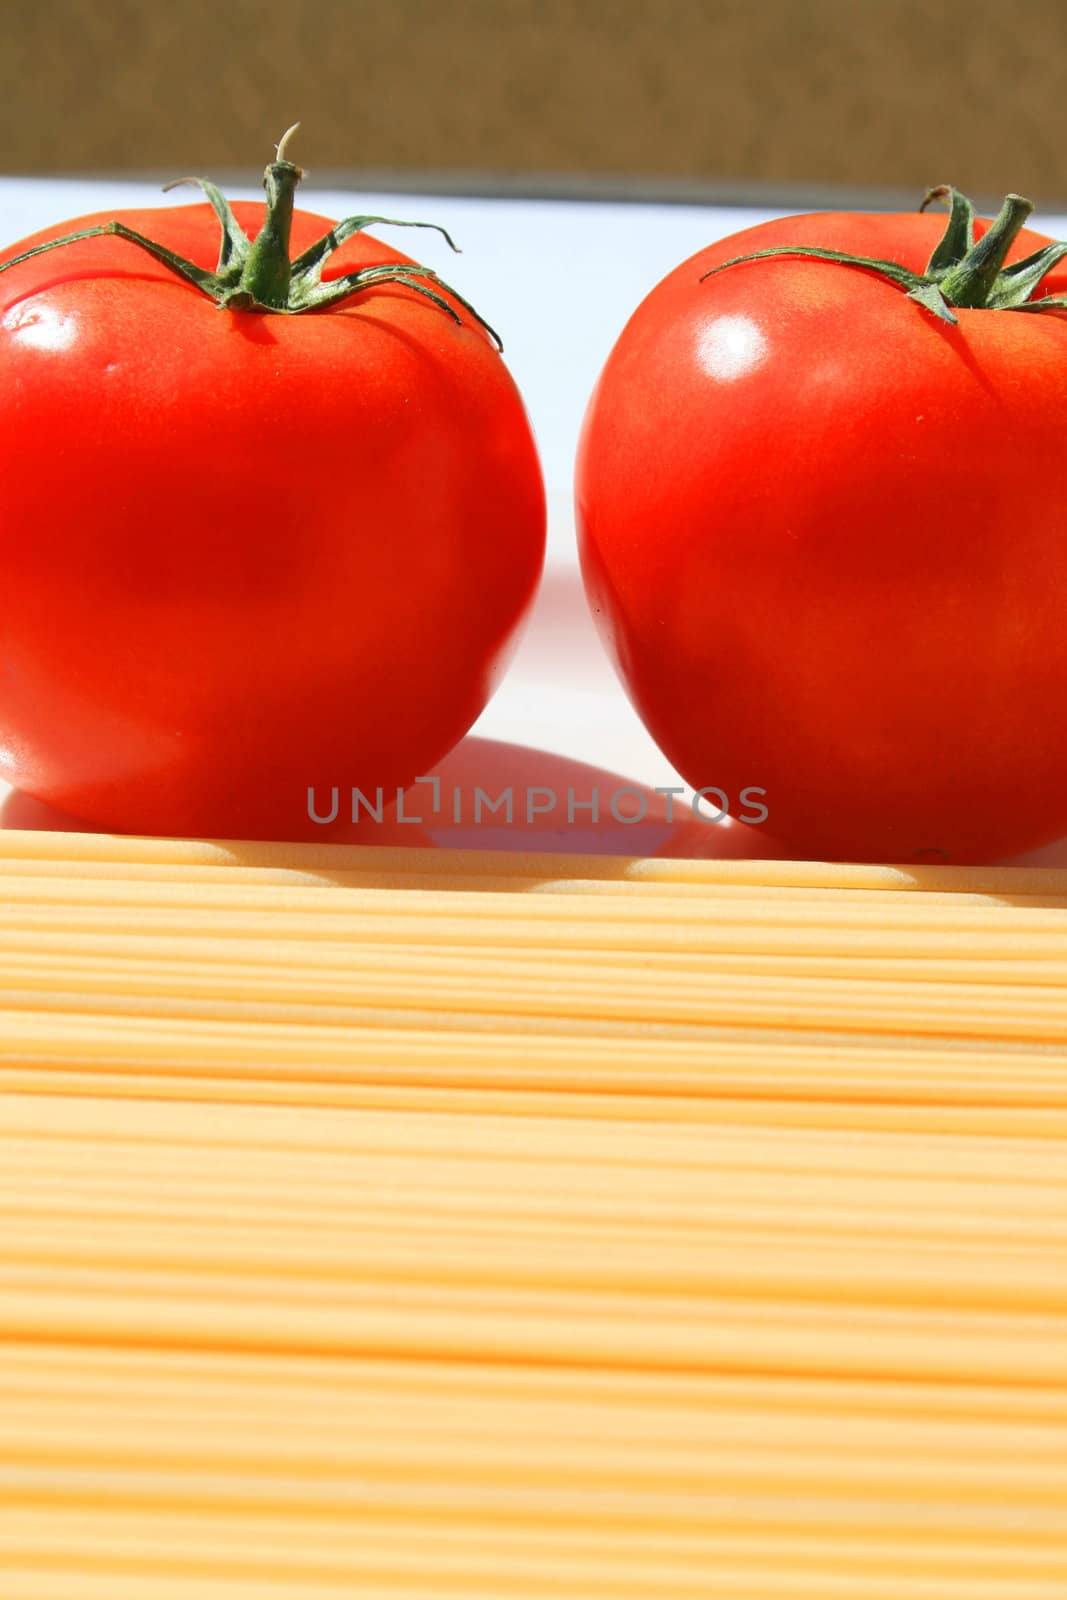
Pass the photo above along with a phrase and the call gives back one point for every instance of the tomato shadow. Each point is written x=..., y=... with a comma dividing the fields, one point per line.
x=492, y=795
x=551, y=814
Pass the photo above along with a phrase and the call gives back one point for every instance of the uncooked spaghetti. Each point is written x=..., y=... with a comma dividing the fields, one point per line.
x=429, y=1224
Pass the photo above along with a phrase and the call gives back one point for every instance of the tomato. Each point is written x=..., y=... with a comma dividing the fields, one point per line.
x=824, y=534
x=247, y=554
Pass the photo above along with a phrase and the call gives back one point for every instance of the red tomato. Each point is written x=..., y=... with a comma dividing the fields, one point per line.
x=246, y=554
x=825, y=538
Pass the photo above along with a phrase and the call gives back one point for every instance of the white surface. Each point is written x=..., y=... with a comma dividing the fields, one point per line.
x=558, y=279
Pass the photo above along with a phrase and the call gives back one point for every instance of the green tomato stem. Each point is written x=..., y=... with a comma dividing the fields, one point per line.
x=971, y=282
x=267, y=274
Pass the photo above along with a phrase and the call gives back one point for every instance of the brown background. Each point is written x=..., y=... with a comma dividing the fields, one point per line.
x=885, y=93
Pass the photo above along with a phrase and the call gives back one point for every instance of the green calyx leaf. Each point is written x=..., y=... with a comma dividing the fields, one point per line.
x=886, y=269
x=930, y=296
x=1016, y=284
x=957, y=241
x=258, y=274
x=961, y=272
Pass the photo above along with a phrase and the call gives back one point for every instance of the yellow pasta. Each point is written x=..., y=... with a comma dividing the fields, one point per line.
x=418, y=1224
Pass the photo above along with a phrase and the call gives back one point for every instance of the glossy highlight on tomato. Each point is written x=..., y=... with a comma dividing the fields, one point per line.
x=244, y=554
x=824, y=535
